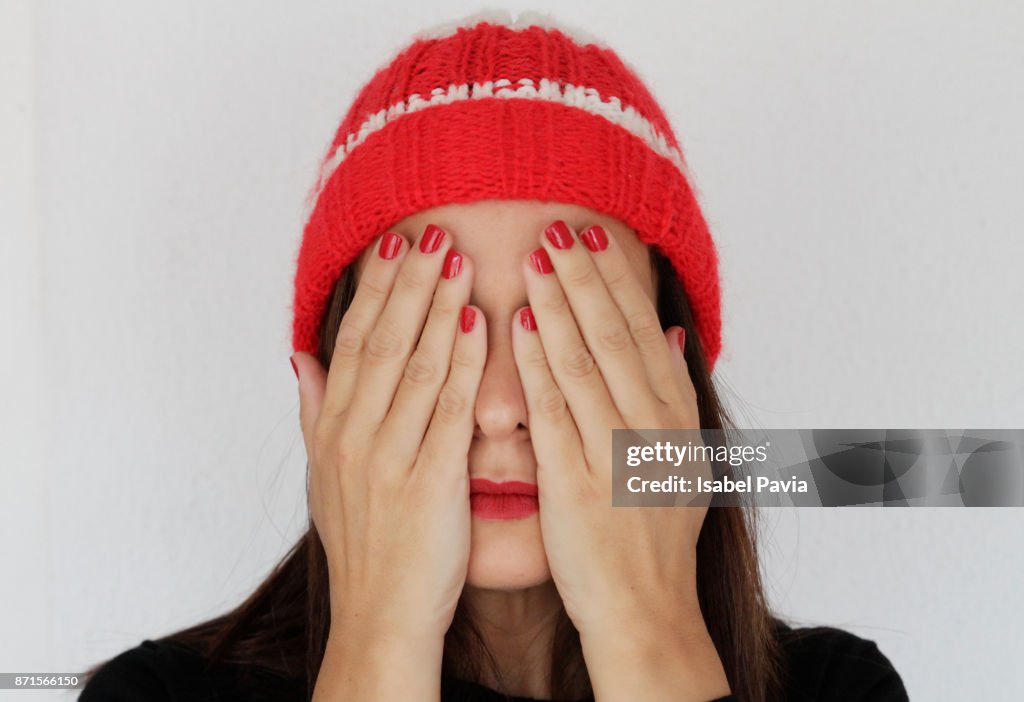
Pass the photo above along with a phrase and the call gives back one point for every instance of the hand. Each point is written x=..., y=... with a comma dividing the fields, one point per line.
x=387, y=433
x=597, y=360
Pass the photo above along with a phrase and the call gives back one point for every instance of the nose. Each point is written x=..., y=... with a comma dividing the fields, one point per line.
x=500, y=410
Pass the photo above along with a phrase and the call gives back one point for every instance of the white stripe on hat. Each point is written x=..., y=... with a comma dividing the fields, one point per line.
x=588, y=99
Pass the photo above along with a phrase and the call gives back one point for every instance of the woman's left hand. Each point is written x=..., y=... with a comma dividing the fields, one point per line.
x=595, y=359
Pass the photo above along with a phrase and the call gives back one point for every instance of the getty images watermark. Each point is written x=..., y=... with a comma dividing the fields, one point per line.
x=818, y=467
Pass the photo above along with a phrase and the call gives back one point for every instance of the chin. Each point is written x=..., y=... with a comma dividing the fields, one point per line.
x=507, y=554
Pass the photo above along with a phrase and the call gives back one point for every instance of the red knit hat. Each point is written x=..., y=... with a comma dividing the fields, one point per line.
x=494, y=108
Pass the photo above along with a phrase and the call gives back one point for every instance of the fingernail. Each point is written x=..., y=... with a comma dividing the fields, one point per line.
x=432, y=238
x=527, y=320
x=294, y=367
x=452, y=264
x=595, y=238
x=682, y=339
x=541, y=261
x=467, y=319
x=390, y=245
x=559, y=235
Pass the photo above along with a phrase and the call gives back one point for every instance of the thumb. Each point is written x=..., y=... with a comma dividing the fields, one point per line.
x=312, y=384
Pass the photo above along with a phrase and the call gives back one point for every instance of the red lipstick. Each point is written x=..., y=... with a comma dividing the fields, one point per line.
x=512, y=499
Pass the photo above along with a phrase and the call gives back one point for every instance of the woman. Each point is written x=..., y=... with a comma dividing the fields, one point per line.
x=504, y=261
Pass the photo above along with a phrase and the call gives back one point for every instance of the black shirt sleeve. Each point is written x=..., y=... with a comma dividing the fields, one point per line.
x=150, y=672
x=819, y=663
x=825, y=663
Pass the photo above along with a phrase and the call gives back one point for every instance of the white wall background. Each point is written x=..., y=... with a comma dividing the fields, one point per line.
x=859, y=165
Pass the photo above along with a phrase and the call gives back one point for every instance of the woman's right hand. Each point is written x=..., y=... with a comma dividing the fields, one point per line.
x=387, y=434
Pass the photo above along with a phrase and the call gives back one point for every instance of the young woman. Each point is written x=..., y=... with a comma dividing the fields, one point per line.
x=504, y=261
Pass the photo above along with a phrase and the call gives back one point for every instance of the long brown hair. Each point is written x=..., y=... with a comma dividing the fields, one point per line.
x=282, y=626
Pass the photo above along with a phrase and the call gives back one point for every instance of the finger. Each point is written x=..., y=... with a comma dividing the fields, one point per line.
x=428, y=366
x=312, y=382
x=572, y=365
x=602, y=325
x=636, y=308
x=372, y=291
x=396, y=331
x=554, y=433
x=448, y=436
x=677, y=339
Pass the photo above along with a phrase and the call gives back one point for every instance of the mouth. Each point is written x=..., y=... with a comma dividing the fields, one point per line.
x=512, y=499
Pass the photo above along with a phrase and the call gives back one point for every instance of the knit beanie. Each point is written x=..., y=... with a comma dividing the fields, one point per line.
x=489, y=107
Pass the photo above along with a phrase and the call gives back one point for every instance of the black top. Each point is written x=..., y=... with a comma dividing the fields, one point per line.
x=823, y=663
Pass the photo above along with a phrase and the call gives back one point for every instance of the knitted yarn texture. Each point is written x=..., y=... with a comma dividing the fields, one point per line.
x=496, y=108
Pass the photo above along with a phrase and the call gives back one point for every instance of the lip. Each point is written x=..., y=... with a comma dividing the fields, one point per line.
x=511, y=499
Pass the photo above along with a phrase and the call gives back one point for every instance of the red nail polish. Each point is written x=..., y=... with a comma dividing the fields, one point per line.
x=452, y=264
x=390, y=245
x=432, y=238
x=559, y=235
x=682, y=339
x=467, y=319
x=595, y=238
x=526, y=319
x=294, y=368
x=541, y=261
